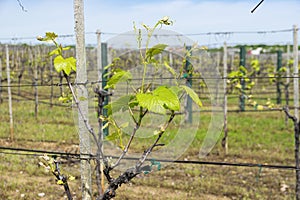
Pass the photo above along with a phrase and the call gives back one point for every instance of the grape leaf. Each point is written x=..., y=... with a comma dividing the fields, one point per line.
x=66, y=65
x=58, y=51
x=170, y=69
x=50, y=36
x=192, y=94
x=121, y=103
x=156, y=49
x=118, y=76
x=159, y=100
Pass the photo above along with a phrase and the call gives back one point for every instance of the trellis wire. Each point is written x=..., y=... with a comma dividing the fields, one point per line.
x=35, y=152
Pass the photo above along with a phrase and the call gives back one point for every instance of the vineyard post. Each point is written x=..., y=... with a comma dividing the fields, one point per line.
x=11, y=122
x=99, y=167
x=231, y=62
x=51, y=81
x=1, y=81
x=288, y=73
x=296, y=72
x=218, y=66
x=42, y=51
x=61, y=77
x=104, y=60
x=288, y=70
x=189, y=83
x=279, y=65
x=225, y=139
x=19, y=64
x=296, y=105
x=171, y=63
x=21, y=73
x=81, y=77
x=243, y=84
x=35, y=77
x=99, y=54
x=12, y=59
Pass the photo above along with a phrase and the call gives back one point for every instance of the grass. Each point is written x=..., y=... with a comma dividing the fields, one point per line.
x=254, y=137
x=52, y=124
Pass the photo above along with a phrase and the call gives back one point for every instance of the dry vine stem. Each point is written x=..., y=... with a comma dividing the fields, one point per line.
x=162, y=100
x=134, y=171
x=297, y=143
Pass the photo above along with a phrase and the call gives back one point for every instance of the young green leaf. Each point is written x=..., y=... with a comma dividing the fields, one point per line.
x=170, y=69
x=192, y=94
x=66, y=65
x=65, y=99
x=112, y=136
x=121, y=103
x=71, y=178
x=243, y=69
x=58, y=51
x=169, y=98
x=59, y=182
x=157, y=49
x=176, y=90
x=255, y=65
x=238, y=86
x=146, y=27
x=115, y=136
x=50, y=36
x=166, y=21
x=119, y=76
x=113, y=63
x=151, y=102
x=159, y=100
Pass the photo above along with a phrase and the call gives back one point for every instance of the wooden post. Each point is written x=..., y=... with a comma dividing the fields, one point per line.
x=99, y=167
x=35, y=72
x=61, y=77
x=296, y=72
x=1, y=81
x=296, y=105
x=287, y=84
x=225, y=139
x=22, y=63
x=279, y=65
x=104, y=62
x=19, y=64
x=242, y=63
x=81, y=77
x=11, y=122
x=51, y=81
x=189, y=83
x=288, y=70
x=99, y=56
x=218, y=80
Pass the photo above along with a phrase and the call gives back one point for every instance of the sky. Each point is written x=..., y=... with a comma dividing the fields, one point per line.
x=194, y=18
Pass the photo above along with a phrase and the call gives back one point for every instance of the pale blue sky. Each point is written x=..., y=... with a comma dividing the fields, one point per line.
x=117, y=16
